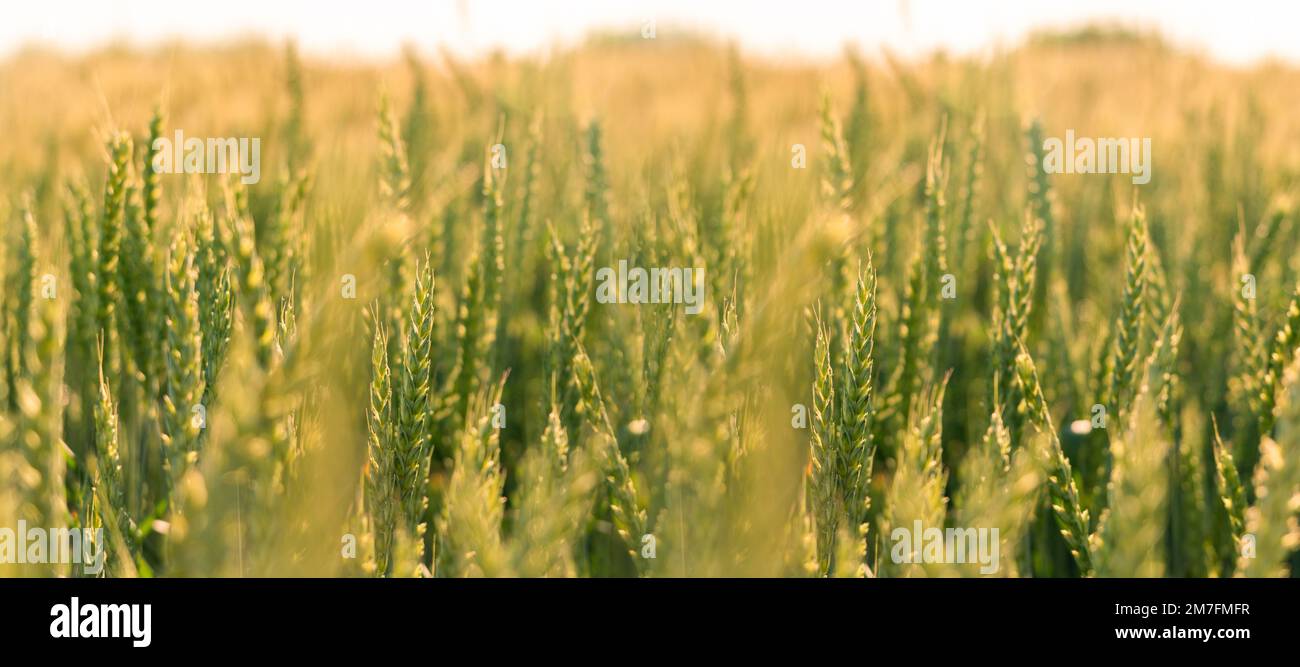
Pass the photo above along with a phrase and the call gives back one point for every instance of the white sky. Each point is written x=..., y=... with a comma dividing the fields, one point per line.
x=1240, y=31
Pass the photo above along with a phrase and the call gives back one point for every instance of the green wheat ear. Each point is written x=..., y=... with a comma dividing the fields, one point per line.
x=625, y=508
x=182, y=353
x=80, y=229
x=109, y=474
x=151, y=189
x=1015, y=285
x=1245, y=316
x=141, y=276
x=395, y=174
x=858, y=413
x=215, y=293
x=1040, y=189
x=571, y=293
x=252, y=290
x=279, y=238
x=382, y=495
x=1132, y=318
x=416, y=404
x=108, y=297
x=824, y=441
x=1231, y=493
x=1071, y=518
x=837, y=176
x=1286, y=348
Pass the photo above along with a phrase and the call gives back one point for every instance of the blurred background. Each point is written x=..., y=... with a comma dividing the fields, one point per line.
x=1241, y=32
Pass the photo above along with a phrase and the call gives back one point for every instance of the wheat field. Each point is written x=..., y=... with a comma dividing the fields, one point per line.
x=392, y=356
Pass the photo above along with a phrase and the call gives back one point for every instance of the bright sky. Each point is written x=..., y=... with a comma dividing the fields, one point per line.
x=1240, y=31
